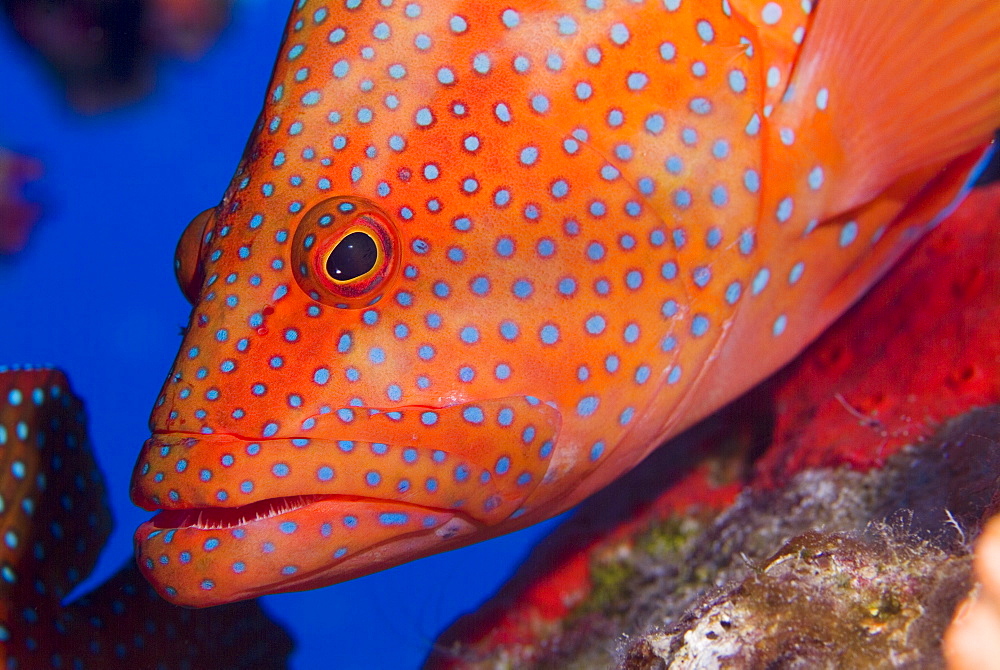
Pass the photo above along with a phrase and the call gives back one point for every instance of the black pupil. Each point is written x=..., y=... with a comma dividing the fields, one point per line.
x=352, y=257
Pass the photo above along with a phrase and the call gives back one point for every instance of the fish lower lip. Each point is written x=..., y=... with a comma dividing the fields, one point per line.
x=200, y=557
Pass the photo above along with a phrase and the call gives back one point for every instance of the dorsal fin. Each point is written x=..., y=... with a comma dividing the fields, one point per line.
x=891, y=88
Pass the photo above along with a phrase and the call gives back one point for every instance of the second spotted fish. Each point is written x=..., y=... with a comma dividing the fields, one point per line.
x=480, y=258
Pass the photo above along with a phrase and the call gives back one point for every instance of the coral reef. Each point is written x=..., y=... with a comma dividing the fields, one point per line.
x=850, y=540
x=870, y=565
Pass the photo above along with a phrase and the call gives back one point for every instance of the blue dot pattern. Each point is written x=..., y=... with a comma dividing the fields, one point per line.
x=568, y=267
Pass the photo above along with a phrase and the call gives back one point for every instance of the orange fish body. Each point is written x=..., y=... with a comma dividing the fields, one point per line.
x=478, y=260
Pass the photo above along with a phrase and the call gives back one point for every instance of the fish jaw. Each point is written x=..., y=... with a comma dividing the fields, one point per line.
x=316, y=542
x=240, y=517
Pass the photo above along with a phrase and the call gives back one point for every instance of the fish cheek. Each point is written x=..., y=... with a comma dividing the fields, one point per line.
x=188, y=269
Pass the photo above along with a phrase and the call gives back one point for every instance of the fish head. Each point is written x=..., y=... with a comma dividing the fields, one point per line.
x=382, y=415
x=434, y=301
x=328, y=421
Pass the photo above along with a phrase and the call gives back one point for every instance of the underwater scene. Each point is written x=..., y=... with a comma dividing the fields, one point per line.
x=93, y=292
x=374, y=376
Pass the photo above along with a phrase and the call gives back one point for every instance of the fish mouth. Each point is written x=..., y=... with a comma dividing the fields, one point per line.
x=201, y=557
x=222, y=518
x=226, y=518
x=241, y=517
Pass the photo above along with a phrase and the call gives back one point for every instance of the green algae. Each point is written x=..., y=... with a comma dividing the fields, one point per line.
x=851, y=599
x=617, y=573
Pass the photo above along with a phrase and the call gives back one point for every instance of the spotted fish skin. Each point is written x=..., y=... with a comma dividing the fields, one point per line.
x=53, y=508
x=592, y=224
x=53, y=504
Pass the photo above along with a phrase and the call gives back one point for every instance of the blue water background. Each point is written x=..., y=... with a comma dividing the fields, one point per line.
x=94, y=294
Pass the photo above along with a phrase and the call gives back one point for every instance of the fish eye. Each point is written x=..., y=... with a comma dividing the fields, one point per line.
x=188, y=269
x=353, y=257
x=345, y=252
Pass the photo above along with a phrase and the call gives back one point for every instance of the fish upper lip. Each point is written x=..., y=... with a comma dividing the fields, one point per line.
x=482, y=459
x=181, y=505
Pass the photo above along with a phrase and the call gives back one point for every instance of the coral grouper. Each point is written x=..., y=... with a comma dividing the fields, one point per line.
x=479, y=259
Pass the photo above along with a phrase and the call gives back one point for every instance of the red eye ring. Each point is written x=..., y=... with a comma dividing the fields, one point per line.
x=320, y=237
